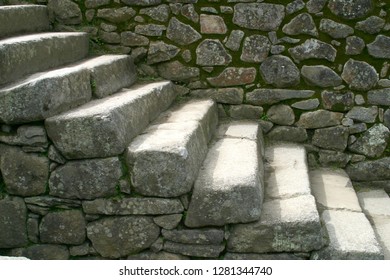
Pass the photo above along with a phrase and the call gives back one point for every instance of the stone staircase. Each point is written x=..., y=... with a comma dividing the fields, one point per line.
x=200, y=187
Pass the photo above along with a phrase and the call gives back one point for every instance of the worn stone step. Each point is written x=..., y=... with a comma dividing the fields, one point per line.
x=105, y=127
x=376, y=206
x=164, y=161
x=49, y=93
x=289, y=220
x=349, y=232
x=29, y=54
x=229, y=187
x=19, y=19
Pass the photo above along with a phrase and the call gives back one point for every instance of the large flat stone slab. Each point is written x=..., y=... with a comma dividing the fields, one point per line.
x=333, y=189
x=23, y=19
x=285, y=225
x=351, y=237
x=164, y=161
x=105, y=127
x=29, y=54
x=229, y=187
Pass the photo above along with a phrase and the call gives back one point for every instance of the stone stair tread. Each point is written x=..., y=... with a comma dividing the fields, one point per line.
x=287, y=171
x=104, y=127
x=350, y=237
x=229, y=187
x=333, y=189
x=165, y=159
x=33, y=53
x=17, y=19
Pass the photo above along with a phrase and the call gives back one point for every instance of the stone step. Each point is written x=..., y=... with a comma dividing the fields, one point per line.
x=289, y=220
x=21, y=19
x=229, y=188
x=49, y=93
x=105, y=127
x=376, y=206
x=29, y=54
x=164, y=161
x=349, y=232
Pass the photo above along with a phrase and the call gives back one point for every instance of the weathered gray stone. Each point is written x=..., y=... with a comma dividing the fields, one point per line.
x=160, y=51
x=212, y=24
x=301, y=24
x=131, y=39
x=64, y=11
x=362, y=114
x=249, y=256
x=376, y=170
x=121, y=236
x=233, y=76
x=89, y=4
x=155, y=30
x=379, y=97
x=45, y=252
x=202, y=251
x=350, y=9
x=258, y=16
x=373, y=142
x=64, y=227
x=234, y=40
x=281, y=114
x=371, y=25
x=116, y=15
x=338, y=101
x=255, y=48
x=245, y=111
x=315, y=6
x=189, y=12
x=221, y=95
x=176, y=71
x=351, y=237
x=321, y=76
x=211, y=52
x=295, y=6
x=320, y=118
x=27, y=135
x=168, y=222
x=386, y=116
x=280, y=71
x=380, y=48
x=148, y=255
x=24, y=174
x=141, y=2
x=13, y=216
x=332, y=138
x=160, y=13
x=286, y=225
x=272, y=96
x=33, y=229
x=306, y=105
x=354, y=45
x=133, y=206
x=277, y=49
x=333, y=158
x=180, y=33
x=357, y=128
x=207, y=236
x=359, y=75
x=334, y=29
x=86, y=179
x=313, y=48
x=109, y=37
x=223, y=194
x=288, y=133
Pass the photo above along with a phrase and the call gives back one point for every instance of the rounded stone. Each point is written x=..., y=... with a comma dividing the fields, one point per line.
x=281, y=114
x=280, y=71
x=359, y=75
x=348, y=9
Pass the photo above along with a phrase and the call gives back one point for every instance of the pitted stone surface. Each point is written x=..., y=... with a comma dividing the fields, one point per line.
x=350, y=9
x=313, y=48
x=280, y=71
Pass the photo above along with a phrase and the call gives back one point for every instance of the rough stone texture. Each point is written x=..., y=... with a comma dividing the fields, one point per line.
x=121, y=236
x=375, y=170
x=373, y=142
x=315, y=6
x=116, y=15
x=154, y=30
x=64, y=11
x=233, y=76
x=320, y=118
x=159, y=13
x=306, y=105
x=212, y=24
x=255, y=48
x=335, y=29
x=189, y=12
x=286, y=225
x=131, y=39
x=13, y=216
x=203, y=251
x=89, y=4
x=350, y=9
x=380, y=47
x=211, y=52
x=386, y=116
x=321, y=76
x=333, y=190
x=234, y=40
x=207, y=236
x=258, y=16
x=280, y=71
x=168, y=222
x=313, y=48
x=338, y=101
x=142, y=2
x=281, y=114
x=65, y=227
x=379, y=97
x=86, y=179
x=350, y=237
x=331, y=138
x=148, y=255
x=301, y=24
x=272, y=96
x=133, y=206
x=26, y=135
x=176, y=71
x=282, y=256
x=359, y=75
x=333, y=158
x=245, y=111
x=363, y=114
x=160, y=51
x=288, y=133
x=24, y=174
x=354, y=45
x=221, y=95
x=180, y=33
x=371, y=25
x=45, y=252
